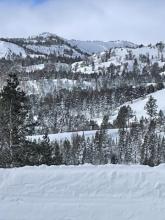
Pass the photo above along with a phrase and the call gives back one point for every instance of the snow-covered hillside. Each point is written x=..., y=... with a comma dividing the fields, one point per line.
x=33, y=68
x=44, y=86
x=43, y=44
x=8, y=49
x=47, y=43
x=56, y=66
x=59, y=50
x=121, y=57
x=100, y=46
x=83, y=192
x=139, y=104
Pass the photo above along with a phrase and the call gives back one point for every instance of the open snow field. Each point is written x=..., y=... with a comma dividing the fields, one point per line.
x=109, y=192
x=68, y=135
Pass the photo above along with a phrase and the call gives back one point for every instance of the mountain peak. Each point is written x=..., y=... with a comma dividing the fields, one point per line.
x=47, y=35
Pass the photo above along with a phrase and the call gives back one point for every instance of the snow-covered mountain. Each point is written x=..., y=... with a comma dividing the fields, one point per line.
x=48, y=44
x=52, y=44
x=42, y=44
x=100, y=46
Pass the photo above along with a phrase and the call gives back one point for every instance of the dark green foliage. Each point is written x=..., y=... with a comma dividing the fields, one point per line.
x=57, y=158
x=124, y=115
x=14, y=108
x=151, y=107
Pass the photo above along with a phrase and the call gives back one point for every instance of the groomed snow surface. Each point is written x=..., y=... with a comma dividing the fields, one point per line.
x=109, y=192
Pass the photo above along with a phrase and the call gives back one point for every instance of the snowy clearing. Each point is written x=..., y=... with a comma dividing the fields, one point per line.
x=42, y=87
x=109, y=192
x=33, y=68
x=68, y=135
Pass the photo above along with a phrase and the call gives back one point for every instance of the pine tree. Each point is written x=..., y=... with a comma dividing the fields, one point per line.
x=57, y=158
x=122, y=145
x=88, y=153
x=105, y=124
x=45, y=151
x=149, y=147
x=161, y=120
x=121, y=117
x=106, y=147
x=128, y=149
x=162, y=153
x=151, y=108
x=124, y=115
x=77, y=151
x=158, y=151
x=67, y=155
x=160, y=47
x=14, y=108
x=97, y=151
x=136, y=141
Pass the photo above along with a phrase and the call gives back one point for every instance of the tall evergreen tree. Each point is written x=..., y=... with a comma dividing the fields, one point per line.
x=151, y=108
x=14, y=108
x=45, y=151
x=150, y=145
x=57, y=158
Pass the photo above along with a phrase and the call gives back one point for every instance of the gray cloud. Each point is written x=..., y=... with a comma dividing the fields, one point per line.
x=137, y=21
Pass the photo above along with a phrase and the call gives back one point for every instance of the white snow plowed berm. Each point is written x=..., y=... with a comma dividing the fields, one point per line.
x=109, y=192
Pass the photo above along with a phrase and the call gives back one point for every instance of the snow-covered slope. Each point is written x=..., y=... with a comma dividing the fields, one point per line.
x=47, y=43
x=120, y=57
x=100, y=46
x=44, y=86
x=55, y=66
x=109, y=192
x=8, y=49
x=42, y=44
x=59, y=50
x=139, y=104
x=33, y=68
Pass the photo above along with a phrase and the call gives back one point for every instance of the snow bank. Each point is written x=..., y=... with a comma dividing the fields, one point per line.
x=86, y=192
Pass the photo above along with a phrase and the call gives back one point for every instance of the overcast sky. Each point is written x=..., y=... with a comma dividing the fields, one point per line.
x=139, y=21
